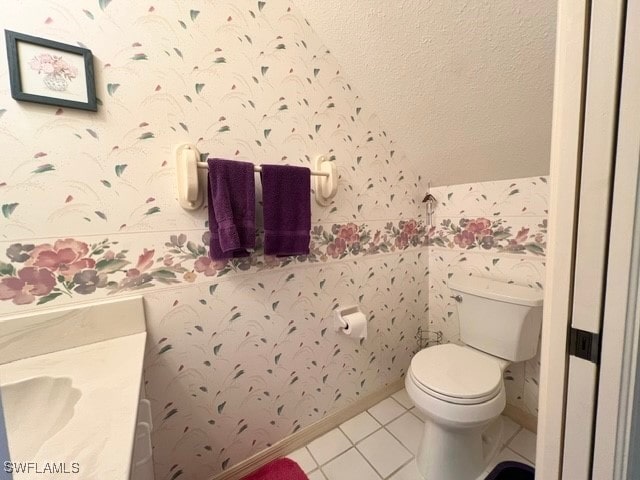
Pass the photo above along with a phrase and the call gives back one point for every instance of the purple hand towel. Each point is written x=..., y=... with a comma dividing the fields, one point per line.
x=286, y=198
x=232, y=208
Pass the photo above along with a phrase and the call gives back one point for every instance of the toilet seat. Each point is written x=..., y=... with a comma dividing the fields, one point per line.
x=456, y=374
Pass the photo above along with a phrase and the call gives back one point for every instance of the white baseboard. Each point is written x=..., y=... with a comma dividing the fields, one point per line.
x=303, y=436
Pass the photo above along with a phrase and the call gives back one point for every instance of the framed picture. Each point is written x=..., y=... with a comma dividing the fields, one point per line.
x=53, y=73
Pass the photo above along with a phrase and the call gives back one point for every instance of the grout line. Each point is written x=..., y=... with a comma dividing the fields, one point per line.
x=350, y=441
x=412, y=412
x=367, y=460
x=367, y=436
x=508, y=445
x=519, y=455
x=400, y=441
x=383, y=427
x=336, y=456
x=506, y=442
x=392, y=420
x=311, y=453
x=355, y=445
x=400, y=467
x=312, y=457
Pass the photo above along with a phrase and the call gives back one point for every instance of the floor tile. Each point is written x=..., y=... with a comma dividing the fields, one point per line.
x=360, y=426
x=384, y=452
x=524, y=443
x=349, y=465
x=316, y=475
x=408, y=429
x=388, y=452
x=418, y=414
x=387, y=410
x=509, y=429
x=506, y=455
x=408, y=472
x=402, y=397
x=303, y=458
x=328, y=446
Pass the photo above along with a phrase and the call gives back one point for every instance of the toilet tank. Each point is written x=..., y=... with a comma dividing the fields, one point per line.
x=498, y=318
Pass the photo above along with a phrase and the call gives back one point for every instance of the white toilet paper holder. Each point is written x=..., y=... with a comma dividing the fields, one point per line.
x=339, y=323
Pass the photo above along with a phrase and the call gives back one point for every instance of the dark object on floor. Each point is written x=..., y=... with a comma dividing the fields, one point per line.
x=512, y=471
x=279, y=469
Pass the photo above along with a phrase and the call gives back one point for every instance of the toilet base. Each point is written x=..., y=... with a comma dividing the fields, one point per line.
x=447, y=453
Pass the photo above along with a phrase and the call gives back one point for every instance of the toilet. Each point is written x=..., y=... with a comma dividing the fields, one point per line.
x=459, y=389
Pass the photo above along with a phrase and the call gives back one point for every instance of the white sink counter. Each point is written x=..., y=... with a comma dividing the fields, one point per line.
x=74, y=408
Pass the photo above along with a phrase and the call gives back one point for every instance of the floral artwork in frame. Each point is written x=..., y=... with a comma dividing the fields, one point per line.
x=49, y=72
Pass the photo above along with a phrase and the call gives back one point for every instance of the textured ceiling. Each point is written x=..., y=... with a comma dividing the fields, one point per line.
x=464, y=87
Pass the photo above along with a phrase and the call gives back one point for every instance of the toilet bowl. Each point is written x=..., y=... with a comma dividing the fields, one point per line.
x=460, y=393
x=459, y=389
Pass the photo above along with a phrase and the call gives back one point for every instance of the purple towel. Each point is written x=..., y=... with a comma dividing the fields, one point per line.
x=286, y=198
x=232, y=208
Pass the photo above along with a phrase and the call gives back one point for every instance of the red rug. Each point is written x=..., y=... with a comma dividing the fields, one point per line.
x=279, y=469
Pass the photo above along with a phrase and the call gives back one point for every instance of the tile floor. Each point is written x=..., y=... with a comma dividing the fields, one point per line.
x=381, y=443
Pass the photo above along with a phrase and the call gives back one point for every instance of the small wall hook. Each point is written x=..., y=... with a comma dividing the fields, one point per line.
x=431, y=202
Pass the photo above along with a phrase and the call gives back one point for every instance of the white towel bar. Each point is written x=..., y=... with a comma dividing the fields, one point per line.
x=191, y=196
x=205, y=166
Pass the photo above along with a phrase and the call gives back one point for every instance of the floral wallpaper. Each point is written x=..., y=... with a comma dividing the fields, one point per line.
x=244, y=80
x=240, y=354
x=495, y=230
x=485, y=234
x=243, y=353
x=67, y=267
x=235, y=365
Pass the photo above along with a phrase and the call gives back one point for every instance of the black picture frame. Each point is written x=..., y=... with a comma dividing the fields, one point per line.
x=17, y=91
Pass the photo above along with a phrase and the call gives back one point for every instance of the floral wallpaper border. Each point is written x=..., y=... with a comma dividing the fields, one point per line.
x=495, y=235
x=44, y=272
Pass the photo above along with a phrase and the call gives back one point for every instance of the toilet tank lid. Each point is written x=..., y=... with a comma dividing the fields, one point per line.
x=495, y=290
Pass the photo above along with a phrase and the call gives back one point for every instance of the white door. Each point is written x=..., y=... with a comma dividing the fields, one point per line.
x=616, y=442
x=590, y=335
x=605, y=36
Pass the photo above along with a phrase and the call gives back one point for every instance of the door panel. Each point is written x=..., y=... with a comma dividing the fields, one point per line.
x=600, y=126
x=566, y=145
x=605, y=39
x=581, y=392
x=614, y=444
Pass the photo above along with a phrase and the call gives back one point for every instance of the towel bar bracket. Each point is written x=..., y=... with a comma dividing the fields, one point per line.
x=326, y=185
x=190, y=195
x=192, y=180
